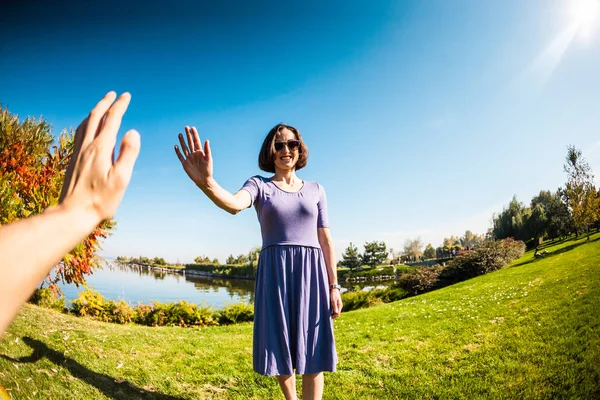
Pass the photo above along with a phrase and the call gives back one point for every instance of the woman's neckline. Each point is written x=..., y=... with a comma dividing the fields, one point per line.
x=287, y=191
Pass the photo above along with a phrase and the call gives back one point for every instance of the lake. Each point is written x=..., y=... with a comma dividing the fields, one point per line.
x=120, y=282
x=117, y=281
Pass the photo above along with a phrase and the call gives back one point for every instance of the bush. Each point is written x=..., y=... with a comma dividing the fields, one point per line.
x=388, y=295
x=89, y=303
x=421, y=280
x=47, y=298
x=489, y=257
x=118, y=312
x=355, y=300
x=235, y=313
x=181, y=314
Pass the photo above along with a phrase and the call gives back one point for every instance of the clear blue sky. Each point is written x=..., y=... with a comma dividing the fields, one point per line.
x=422, y=118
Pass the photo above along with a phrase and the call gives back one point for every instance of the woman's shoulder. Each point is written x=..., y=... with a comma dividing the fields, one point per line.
x=314, y=185
x=258, y=179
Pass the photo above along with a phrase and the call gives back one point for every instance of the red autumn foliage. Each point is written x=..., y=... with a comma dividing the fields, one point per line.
x=31, y=175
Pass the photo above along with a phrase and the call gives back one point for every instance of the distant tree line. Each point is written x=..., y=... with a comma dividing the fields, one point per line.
x=572, y=209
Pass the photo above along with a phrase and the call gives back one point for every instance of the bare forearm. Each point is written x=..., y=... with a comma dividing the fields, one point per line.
x=31, y=247
x=329, y=255
x=223, y=198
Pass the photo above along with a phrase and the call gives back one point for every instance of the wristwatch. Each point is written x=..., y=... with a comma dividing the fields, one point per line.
x=335, y=286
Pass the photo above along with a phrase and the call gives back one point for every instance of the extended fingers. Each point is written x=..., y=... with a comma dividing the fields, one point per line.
x=190, y=139
x=128, y=153
x=77, y=141
x=179, y=155
x=207, y=150
x=95, y=118
x=184, y=146
x=196, y=139
x=114, y=116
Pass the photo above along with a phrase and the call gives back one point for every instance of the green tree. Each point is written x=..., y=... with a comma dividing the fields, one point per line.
x=580, y=192
x=242, y=259
x=374, y=253
x=452, y=241
x=215, y=261
x=351, y=258
x=429, y=252
x=560, y=222
x=159, y=261
x=202, y=260
x=512, y=222
x=230, y=259
x=254, y=254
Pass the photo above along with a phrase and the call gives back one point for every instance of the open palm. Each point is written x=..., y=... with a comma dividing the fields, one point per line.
x=196, y=162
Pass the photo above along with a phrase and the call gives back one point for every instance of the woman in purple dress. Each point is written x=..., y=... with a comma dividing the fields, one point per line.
x=297, y=293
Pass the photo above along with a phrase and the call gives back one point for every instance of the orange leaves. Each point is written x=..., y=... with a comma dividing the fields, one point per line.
x=32, y=170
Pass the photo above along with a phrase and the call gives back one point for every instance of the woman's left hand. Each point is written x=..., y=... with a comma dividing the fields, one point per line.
x=336, y=303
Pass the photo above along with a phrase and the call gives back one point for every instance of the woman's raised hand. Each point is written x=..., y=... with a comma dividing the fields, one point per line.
x=197, y=163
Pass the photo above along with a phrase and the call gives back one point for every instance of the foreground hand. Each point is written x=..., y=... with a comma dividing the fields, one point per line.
x=197, y=164
x=336, y=303
x=94, y=182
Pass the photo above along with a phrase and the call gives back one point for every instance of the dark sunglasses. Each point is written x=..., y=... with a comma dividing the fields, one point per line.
x=291, y=144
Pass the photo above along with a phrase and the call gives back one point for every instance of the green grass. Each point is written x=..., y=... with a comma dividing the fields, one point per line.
x=530, y=330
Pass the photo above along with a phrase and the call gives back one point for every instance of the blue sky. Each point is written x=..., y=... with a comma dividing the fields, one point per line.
x=422, y=118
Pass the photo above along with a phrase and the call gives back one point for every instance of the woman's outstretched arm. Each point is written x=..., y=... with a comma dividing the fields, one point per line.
x=93, y=188
x=198, y=164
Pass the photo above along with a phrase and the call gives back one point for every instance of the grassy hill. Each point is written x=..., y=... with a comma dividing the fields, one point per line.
x=531, y=330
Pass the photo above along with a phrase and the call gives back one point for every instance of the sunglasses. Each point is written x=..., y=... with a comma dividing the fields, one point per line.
x=291, y=144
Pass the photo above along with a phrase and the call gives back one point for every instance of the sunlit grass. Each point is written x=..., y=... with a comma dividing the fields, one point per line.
x=531, y=330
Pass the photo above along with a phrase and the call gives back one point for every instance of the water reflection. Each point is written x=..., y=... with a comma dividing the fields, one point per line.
x=142, y=285
x=136, y=284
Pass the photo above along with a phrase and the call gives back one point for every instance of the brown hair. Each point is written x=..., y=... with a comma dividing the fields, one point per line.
x=266, y=157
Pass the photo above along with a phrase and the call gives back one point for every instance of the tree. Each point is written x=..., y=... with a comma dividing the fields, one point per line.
x=230, y=259
x=242, y=259
x=580, y=192
x=451, y=242
x=32, y=168
x=512, y=222
x=471, y=240
x=202, y=260
x=254, y=254
x=429, y=252
x=159, y=261
x=412, y=248
x=560, y=222
x=374, y=253
x=215, y=261
x=351, y=258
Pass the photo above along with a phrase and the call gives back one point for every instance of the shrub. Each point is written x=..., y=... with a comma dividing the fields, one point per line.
x=489, y=257
x=390, y=294
x=47, y=298
x=89, y=303
x=355, y=300
x=118, y=312
x=234, y=313
x=421, y=280
x=142, y=314
x=180, y=313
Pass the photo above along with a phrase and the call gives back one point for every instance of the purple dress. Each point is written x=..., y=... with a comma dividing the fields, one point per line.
x=293, y=329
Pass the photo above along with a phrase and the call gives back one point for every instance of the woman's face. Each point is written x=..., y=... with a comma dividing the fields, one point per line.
x=287, y=157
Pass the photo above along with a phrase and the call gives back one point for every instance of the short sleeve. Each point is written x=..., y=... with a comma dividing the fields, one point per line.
x=252, y=187
x=323, y=218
